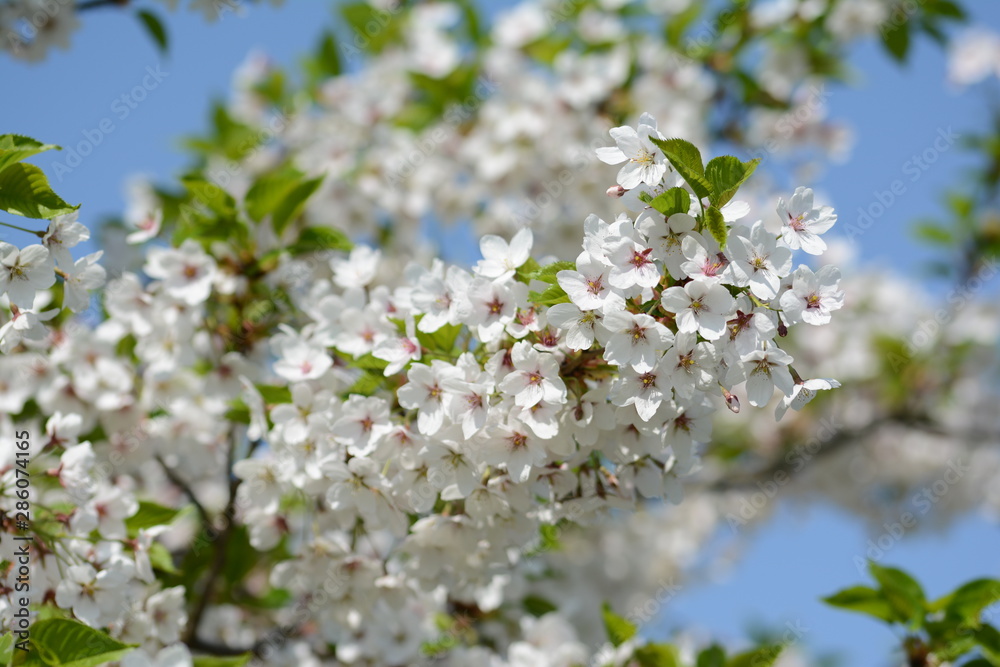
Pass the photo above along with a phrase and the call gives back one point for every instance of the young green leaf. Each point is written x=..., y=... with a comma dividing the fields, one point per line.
x=726, y=174
x=318, y=239
x=674, y=200
x=17, y=147
x=212, y=196
x=657, y=655
x=619, y=630
x=988, y=639
x=902, y=591
x=293, y=203
x=896, y=40
x=553, y=295
x=154, y=26
x=6, y=649
x=526, y=271
x=537, y=605
x=547, y=274
x=764, y=656
x=160, y=559
x=73, y=644
x=686, y=159
x=150, y=514
x=716, y=225
x=441, y=341
x=863, y=600
x=969, y=599
x=273, y=393
x=25, y=191
x=713, y=656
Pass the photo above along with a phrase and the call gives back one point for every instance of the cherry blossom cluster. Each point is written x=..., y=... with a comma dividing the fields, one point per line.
x=429, y=431
x=27, y=273
x=475, y=411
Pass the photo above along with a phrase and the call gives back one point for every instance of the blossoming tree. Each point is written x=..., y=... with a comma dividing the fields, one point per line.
x=297, y=435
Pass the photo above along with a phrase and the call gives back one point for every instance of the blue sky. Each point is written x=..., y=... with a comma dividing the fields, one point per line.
x=896, y=113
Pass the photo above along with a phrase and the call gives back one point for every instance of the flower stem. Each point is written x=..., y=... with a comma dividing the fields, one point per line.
x=22, y=229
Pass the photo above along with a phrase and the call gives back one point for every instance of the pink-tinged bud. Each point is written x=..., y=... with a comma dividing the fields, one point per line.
x=615, y=191
x=782, y=330
x=732, y=402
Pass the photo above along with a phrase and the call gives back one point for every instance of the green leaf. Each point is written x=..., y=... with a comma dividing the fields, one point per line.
x=319, y=239
x=764, y=656
x=241, y=557
x=547, y=274
x=6, y=649
x=933, y=233
x=369, y=362
x=946, y=8
x=17, y=147
x=726, y=174
x=657, y=655
x=367, y=384
x=619, y=630
x=149, y=515
x=372, y=28
x=525, y=272
x=154, y=26
x=273, y=393
x=989, y=639
x=268, y=191
x=677, y=24
x=160, y=558
x=211, y=195
x=220, y=661
x=537, y=605
x=73, y=644
x=326, y=62
x=549, y=535
x=551, y=296
x=896, y=41
x=239, y=414
x=902, y=591
x=546, y=49
x=686, y=159
x=293, y=203
x=968, y=601
x=674, y=200
x=716, y=225
x=25, y=191
x=713, y=656
x=863, y=600
x=441, y=341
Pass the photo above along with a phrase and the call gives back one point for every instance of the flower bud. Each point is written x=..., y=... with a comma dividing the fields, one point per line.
x=615, y=191
x=782, y=330
x=732, y=402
